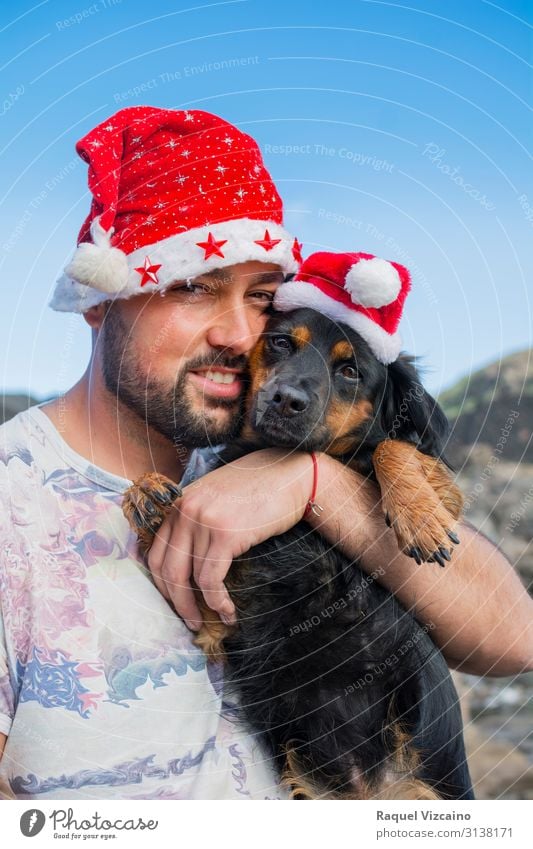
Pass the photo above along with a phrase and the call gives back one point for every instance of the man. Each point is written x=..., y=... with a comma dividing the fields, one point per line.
x=102, y=692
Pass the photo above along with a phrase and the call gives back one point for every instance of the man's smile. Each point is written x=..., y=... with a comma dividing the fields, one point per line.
x=218, y=382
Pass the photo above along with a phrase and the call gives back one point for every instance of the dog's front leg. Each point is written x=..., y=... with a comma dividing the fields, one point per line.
x=420, y=500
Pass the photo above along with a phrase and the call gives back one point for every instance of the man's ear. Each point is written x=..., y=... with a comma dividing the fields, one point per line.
x=409, y=412
x=94, y=316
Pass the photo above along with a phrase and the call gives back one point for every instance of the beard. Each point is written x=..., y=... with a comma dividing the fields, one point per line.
x=166, y=408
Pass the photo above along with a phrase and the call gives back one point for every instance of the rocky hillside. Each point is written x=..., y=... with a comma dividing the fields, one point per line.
x=481, y=404
x=492, y=448
x=491, y=412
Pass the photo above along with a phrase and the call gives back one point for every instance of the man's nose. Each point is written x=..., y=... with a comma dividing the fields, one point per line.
x=233, y=331
x=289, y=400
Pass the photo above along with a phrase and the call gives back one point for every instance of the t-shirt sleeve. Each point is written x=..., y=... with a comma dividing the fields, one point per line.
x=7, y=696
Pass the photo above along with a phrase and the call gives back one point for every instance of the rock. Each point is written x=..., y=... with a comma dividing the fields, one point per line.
x=481, y=406
x=491, y=447
x=498, y=770
x=13, y=404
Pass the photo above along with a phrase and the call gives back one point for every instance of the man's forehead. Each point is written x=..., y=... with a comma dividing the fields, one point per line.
x=226, y=275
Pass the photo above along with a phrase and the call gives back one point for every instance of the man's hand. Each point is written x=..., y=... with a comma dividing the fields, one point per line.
x=221, y=516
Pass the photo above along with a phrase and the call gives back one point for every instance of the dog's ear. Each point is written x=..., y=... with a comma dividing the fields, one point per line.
x=409, y=412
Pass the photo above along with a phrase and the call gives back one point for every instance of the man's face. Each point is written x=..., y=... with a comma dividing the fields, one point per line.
x=178, y=359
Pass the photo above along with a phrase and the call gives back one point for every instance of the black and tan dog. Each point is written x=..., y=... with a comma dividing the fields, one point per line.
x=345, y=688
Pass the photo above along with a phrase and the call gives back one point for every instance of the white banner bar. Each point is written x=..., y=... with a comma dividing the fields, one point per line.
x=267, y=825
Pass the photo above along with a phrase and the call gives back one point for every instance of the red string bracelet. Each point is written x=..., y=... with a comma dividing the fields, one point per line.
x=312, y=506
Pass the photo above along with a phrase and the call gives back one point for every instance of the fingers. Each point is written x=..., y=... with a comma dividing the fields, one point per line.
x=156, y=556
x=177, y=571
x=170, y=561
x=211, y=566
x=186, y=546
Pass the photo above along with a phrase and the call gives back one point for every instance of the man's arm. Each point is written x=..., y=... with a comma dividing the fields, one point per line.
x=3, y=739
x=479, y=613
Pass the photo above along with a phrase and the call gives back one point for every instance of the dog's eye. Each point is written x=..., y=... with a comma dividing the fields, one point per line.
x=348, y=372
x=282, y=343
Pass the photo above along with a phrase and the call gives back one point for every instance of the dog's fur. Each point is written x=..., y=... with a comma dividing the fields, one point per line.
x=345, y=688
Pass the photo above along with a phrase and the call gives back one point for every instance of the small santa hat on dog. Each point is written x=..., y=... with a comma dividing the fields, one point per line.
x=357, y=289
x=176, y=193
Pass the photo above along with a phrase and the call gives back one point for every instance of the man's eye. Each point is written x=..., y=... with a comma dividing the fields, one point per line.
x=348, y=372
x=263, y=297
x=282, y=343
x=190, y=289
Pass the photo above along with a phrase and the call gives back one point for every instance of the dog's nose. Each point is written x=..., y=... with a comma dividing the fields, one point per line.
x=289, y=401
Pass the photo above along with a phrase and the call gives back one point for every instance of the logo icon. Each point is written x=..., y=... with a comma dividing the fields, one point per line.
x=32, y=822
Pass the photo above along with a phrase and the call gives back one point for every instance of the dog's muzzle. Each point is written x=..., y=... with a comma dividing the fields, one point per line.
x=289, y=400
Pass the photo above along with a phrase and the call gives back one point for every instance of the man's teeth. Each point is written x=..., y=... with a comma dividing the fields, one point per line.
x=221, y=377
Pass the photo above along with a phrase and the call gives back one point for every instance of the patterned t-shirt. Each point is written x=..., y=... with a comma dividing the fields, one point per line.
x=102, y=692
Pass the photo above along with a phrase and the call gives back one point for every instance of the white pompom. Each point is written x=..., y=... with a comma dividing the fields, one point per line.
x=98, y=264
x=373, y=282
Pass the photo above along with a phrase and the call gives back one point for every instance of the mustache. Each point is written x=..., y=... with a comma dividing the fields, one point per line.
x=221, y=359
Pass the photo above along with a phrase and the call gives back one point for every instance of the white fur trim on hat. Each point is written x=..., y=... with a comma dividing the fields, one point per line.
x=294, y=294
x=98, y=264
x=373, y=282
x=180, y=258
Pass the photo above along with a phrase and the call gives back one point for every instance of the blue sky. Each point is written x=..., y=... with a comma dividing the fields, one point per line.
x=411, y=123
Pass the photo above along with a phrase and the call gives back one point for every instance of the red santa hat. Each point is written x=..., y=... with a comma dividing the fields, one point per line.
x=175, y=194
x=357, y=289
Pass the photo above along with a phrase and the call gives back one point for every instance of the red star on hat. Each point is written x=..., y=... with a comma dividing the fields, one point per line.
x=212, y=247
x=148, y=272
x=297, y=250
x=266, y=242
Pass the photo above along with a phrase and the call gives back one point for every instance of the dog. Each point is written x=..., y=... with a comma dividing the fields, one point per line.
x=345, y=688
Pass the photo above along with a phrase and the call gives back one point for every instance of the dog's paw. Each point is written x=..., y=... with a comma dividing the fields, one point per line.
x=423, y=531
x=147, y=502
x=420, y=501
